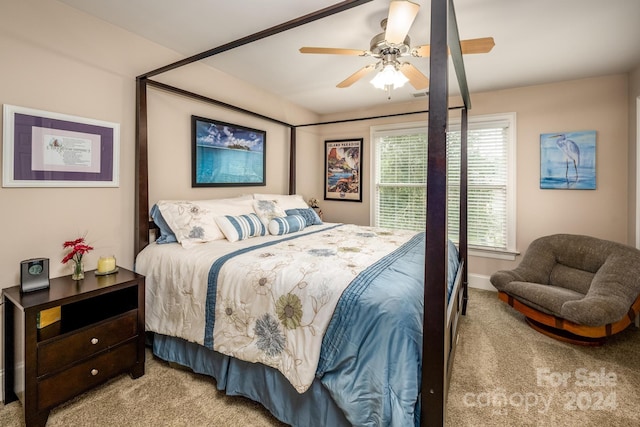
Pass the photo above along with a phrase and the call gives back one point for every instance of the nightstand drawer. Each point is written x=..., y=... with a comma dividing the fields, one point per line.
x=73, y=381
x=61, y=352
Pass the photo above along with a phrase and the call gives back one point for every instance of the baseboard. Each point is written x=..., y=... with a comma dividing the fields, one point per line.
x=478, y=281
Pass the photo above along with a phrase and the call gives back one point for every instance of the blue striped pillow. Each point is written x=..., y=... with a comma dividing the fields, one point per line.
x=286, y=224
x=241, y=227
x=310, y=215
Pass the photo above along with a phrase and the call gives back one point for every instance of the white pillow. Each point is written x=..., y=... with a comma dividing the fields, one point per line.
x=190, y=222
x=293, y=201
x=267, y=210
x=241, y=227
x=194, y=221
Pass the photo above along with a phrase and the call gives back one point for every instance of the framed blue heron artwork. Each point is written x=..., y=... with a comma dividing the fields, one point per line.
x=568, y=160
x=226, y=155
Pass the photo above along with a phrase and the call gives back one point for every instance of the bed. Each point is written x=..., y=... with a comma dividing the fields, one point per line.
x=313, y=302
x=334, y=395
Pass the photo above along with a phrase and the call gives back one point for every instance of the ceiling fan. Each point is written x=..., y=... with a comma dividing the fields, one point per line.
x=391, y=45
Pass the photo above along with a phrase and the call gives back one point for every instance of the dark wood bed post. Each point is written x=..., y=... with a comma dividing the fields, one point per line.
x=433, y=348
x=292, y=160
x=444, y=39
x=464, y=177
x=141, y=227
x=456, y=57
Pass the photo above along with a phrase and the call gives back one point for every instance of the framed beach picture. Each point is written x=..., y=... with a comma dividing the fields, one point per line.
x=226, y=155
x=568, y=160
x=343, y=169
x=46, y=149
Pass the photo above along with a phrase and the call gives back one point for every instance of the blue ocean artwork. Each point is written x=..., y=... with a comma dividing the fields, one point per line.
x=568, y=160
x=228, y=154
x=224, y=165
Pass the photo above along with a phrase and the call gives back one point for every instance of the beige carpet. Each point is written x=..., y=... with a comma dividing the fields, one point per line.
x=506, y=374
x=498, y=364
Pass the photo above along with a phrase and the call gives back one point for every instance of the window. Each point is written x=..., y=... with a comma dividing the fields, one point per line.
x=399, y=174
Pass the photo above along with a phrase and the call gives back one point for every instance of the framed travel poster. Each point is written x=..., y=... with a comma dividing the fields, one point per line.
x=343, y=169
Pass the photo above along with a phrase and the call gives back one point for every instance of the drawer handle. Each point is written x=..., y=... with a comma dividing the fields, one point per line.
x=94, y=372
x=94, y=341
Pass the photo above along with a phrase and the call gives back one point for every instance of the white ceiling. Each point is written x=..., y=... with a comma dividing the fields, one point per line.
x=537, y=41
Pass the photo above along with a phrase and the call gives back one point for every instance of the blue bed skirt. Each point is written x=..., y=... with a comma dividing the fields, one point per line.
x=253, y=380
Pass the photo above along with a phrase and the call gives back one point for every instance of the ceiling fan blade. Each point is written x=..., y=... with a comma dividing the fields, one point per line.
x=416, y=78
x=481, y=45
x=333, y=51
x=356, y=76
x=402, y=13
x=422, y=51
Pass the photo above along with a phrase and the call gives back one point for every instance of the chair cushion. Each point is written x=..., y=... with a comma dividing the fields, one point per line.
x=571, y=278
x=545, y=298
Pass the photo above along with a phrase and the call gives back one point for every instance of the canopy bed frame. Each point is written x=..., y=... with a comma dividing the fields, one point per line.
x=440, y=326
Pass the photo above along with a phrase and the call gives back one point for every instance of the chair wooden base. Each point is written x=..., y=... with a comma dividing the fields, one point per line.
x=568, y=331
x=564, y=336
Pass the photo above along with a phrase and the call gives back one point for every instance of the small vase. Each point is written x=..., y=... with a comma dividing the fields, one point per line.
x=78, y=271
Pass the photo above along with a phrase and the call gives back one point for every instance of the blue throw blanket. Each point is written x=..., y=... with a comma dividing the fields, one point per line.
x=376, y=337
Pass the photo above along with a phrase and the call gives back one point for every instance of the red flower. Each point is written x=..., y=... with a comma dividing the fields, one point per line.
x=71, y=243
x=79, y=248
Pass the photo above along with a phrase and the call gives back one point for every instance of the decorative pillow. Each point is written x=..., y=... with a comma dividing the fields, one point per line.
x=191, y=222
x=241, y=227
x=286, y=224
x=194, y=221
x=310, y=215
x=166, y=235
x=267, y=210
x=285, y=201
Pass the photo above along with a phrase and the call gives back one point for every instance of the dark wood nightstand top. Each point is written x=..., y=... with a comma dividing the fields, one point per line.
x=64, y=290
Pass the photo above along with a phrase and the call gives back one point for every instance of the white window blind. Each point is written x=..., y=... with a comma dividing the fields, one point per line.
x=488, y=173
x=401, y=176
x=400, y=181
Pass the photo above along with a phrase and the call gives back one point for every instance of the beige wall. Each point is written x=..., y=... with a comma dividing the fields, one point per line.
x=634, y=140
x=598, y=104
x=350, y=212
x=57, y=59
x=170, y=149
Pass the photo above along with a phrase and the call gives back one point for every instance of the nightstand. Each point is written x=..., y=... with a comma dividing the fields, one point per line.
x=100, y=335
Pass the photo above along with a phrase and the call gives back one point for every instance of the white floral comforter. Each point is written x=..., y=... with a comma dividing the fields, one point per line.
x=273, y=303
x=267, y=299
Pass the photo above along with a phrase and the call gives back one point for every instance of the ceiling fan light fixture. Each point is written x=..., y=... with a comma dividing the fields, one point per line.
x=389, y=78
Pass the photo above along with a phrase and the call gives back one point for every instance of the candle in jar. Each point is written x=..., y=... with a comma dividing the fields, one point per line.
x=106, y=264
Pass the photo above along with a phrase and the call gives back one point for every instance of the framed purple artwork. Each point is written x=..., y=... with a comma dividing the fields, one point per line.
x=44, y=149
